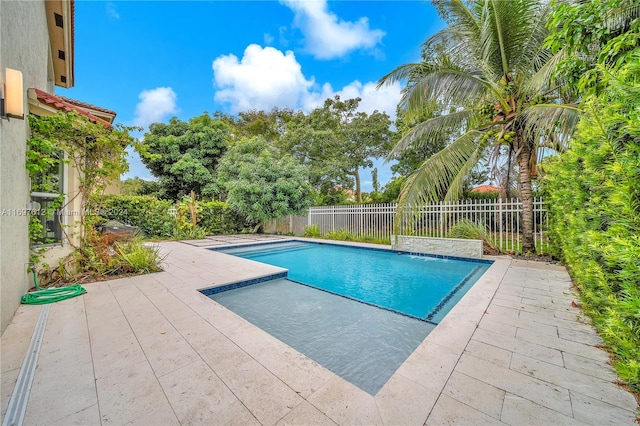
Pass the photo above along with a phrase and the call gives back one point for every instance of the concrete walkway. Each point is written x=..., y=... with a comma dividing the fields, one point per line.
x=152, y=350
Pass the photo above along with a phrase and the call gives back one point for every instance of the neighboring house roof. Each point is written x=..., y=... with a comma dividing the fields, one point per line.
x=486, y=188
x=60, y=104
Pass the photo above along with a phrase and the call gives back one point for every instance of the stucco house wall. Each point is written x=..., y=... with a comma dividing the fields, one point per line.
x=24, y=46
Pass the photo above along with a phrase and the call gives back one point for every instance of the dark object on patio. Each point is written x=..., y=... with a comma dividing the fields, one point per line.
x=119, y=228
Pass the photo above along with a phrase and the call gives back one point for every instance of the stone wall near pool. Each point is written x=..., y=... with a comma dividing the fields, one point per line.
x=443, y=246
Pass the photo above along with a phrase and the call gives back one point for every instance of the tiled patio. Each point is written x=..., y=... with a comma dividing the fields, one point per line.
x=153, y=350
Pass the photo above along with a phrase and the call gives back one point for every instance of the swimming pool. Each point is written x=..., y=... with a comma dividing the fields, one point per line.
x=422, y=287
x=335, y=318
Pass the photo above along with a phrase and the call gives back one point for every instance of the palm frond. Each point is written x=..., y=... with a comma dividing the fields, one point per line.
x=430, y=129
x=446, y=84
x=619, y=19
x=550, y=124
x=433, y=178
x=500, y=38
x=539, y=81
x=456, y=187
x=530, y=55
x=459, y=15
x=404, y=72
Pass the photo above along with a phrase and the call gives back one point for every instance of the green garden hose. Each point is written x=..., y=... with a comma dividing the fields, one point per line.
x=51, y=295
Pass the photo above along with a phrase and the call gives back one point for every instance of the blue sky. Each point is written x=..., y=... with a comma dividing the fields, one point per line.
x=151, y=60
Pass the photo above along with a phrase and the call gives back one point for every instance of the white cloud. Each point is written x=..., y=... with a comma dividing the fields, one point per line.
x=326, y=35
x=155, y=105
x=266, y=77
x=111, y=10
x=262, y=79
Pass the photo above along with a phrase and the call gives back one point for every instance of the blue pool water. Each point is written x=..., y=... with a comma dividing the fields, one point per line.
x=361, y=343
x=419, y=286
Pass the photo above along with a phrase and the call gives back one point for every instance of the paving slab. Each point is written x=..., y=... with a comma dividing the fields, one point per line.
x=306, y=414
x=449, y=411
x=518, y=410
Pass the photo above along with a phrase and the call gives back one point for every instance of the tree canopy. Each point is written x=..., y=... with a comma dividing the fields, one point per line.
x=183, y=155
x=260, y=183
x=337, y=141
x=269, y=125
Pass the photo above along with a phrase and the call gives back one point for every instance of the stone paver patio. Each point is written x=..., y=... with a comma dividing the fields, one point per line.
x=153, y=350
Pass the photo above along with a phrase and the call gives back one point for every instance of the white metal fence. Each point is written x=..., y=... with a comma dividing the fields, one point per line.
x=501, y=218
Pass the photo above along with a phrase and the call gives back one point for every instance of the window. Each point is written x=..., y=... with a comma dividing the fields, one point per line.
x=47, y=191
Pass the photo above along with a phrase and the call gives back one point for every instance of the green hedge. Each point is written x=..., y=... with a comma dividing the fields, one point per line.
x=148, y=213
x=217, y=218
x=154, y=219
x=593, y=195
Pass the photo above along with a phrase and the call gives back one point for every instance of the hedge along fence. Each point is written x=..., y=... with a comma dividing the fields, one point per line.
x=155, y=218
x=593, y=192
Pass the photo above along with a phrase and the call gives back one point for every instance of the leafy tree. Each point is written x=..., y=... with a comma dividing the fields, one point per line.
x=330, y=195
x=138, y=186
x=490, y=69
x=183, y=155
x=269, y=125
x=262, y=184
x=392, y=189
x=337, y=141
x=374, y=180
x=131, y=186
x=587, y=33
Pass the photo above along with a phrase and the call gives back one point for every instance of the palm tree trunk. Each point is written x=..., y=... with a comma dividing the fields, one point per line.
x=528, y=241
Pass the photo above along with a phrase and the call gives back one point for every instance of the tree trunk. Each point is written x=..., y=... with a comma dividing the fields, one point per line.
x=528, y=240
x=356, y=173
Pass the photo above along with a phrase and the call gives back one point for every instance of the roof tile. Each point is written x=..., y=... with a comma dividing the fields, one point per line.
x=485, y=188
x=61, y=104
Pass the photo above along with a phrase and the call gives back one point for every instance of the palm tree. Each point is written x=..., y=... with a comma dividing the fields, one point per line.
x=490, y=70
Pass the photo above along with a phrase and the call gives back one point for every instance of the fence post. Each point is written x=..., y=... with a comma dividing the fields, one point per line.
x=500, y=219
x=333, y=218
x=441, y=215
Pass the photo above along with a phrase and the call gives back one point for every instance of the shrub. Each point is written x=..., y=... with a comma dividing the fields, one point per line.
x=136, y=257
x=148, y=213
x=153, y=217
x=189, y=233
x=312, y=232
x=469, y=230
x=340, y=236
x=217, y=218
x=593, y=195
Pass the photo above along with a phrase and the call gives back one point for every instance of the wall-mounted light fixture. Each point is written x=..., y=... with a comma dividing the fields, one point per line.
x=12, y=104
